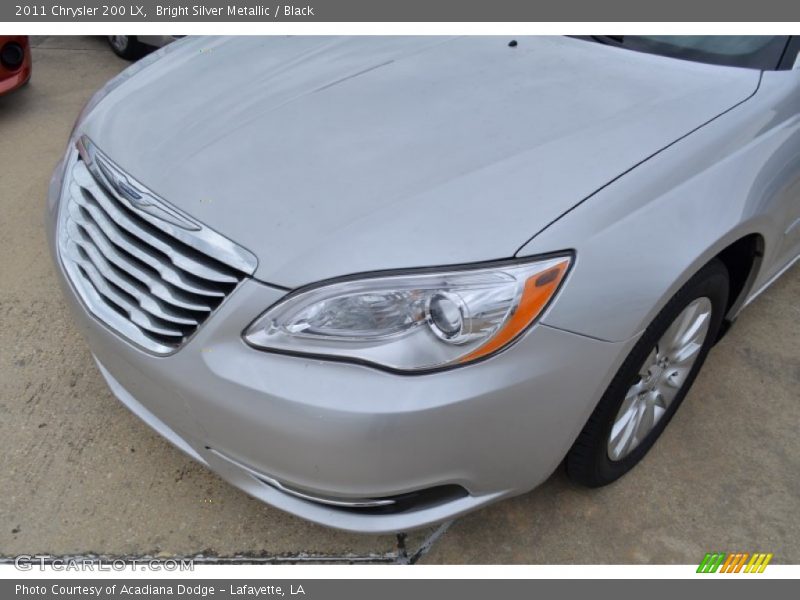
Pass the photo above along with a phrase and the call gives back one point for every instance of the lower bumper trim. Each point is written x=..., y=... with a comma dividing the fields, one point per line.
x=392, y=504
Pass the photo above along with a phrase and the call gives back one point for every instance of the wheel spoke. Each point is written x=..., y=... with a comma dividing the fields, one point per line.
x=665, y=394
x=662, y=376
x=690, y=326
x=625, y=416
x=622, y=434
x=697, y=329
x=686, y=353
x=671, y=340
x=630, y=398
x=646, y=421
x=621, y=423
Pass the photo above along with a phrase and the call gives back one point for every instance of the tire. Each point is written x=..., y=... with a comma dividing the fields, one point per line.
x=644, y=375
x=126, y=46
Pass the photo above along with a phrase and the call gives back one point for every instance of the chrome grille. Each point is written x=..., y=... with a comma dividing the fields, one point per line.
x=151, y=273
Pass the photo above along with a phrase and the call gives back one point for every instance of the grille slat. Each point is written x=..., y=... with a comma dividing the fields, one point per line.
x=143, y=299
x=150, y=236
x=101, y=284
x=118, y=259
x=152, y=287
x=122, y=240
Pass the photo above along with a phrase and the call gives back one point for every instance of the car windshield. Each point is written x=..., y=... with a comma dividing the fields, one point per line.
x=753, y=51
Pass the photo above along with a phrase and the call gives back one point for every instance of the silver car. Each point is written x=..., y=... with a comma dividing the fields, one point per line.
x=379, y=282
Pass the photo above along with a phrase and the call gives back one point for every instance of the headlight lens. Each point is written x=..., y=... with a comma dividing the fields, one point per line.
x=413, y=322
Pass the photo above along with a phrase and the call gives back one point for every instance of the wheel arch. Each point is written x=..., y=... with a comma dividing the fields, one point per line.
x=742, y=259
x=742, y=252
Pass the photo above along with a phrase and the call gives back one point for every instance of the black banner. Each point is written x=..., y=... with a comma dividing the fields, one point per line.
x=393, y=589
x=405, y=11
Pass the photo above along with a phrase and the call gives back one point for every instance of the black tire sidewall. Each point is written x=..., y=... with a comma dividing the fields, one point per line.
x=588, y=461
x=131, y=51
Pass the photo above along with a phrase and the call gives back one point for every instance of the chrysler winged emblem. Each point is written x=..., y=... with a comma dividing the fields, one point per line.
x=135, y=194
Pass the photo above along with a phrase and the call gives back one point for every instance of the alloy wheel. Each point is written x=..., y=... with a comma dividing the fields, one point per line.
x=660, y=378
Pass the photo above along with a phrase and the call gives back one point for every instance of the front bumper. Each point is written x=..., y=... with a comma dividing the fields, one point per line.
x=337, y=430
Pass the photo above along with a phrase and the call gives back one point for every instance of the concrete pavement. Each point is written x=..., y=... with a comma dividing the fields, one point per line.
x=80, y=474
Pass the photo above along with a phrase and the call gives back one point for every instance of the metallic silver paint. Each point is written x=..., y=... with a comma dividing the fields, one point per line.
x=316, y=498
x=327, y=157
x=347, y=430
x=358, y=168
x=736, y=176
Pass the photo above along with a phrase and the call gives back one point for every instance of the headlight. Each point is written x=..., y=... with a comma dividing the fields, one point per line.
x=413, y=322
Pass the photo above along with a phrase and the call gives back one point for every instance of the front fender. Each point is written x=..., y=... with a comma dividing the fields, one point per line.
x=638, y=240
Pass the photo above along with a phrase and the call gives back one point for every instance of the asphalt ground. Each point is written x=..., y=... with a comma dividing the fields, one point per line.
x=79, y=474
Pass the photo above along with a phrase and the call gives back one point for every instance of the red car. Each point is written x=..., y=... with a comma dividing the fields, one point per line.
x=15, y=62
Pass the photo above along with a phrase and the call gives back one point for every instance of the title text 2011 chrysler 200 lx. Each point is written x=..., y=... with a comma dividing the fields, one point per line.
x=380, y=282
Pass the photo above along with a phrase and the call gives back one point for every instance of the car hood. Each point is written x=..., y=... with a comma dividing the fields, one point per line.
x=328, y=156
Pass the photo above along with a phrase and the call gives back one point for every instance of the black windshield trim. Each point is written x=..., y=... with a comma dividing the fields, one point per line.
x=770, y=58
